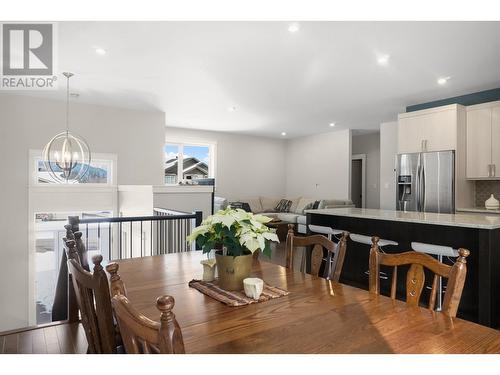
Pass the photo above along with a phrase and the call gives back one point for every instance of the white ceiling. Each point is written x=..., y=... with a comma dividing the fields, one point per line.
x=278, y=81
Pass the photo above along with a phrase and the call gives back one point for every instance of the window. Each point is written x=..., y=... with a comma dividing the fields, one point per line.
x=186, y=162
x=48, y=234
x=100, y=171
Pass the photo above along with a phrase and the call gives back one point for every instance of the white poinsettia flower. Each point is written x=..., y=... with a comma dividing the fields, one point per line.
x=262, y=241
x=241, y=215
x=270, y=236
x=256, y=223
x=252, y=244
x=249, y=229
x=226, y=220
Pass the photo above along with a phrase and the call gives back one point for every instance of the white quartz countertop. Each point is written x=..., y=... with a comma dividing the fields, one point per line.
x=480, y=210
x=460, y=219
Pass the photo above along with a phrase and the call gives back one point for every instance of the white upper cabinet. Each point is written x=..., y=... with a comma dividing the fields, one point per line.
x=479, y=143
x=428, y=130
x=495, y=140
x=483, y=141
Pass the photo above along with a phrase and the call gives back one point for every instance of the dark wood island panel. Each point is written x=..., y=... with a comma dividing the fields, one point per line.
x=481, y=296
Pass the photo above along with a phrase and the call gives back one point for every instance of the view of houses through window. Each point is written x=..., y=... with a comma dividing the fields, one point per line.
x=98, y=173
x=185, y=162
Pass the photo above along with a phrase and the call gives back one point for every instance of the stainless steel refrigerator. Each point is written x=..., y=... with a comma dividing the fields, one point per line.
x=426, y=182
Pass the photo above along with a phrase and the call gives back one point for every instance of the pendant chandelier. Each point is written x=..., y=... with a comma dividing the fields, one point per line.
x=67, y=156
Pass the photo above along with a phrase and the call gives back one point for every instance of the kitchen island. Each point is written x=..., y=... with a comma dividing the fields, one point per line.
x=478, y=233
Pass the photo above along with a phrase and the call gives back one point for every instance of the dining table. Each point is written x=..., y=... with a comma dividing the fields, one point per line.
x=317, y=316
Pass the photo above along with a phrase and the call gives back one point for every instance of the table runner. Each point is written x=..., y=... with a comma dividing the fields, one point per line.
x=232, y=298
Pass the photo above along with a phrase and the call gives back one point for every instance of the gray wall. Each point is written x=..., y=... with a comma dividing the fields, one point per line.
x=388, y=151
x=136, y=137
x=369, y=144
x=319, y=166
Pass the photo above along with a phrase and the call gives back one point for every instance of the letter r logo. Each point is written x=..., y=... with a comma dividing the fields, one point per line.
x=27, y=49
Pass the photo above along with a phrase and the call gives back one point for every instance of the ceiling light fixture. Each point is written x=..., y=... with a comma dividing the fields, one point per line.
x=383, y=59
x=283, y=134
x=67, y=156
x=294, y=27
x=443, y=80
x=231, y=109
x=332, y=124
x=100, y=51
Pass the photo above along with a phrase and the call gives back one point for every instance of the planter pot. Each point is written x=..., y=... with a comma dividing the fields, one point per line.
x=232, y=270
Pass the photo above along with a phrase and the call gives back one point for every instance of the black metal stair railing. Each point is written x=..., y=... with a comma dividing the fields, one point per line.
x=125, y=237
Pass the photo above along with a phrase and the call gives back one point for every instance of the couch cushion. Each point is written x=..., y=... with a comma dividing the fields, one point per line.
x=254, y=203
x=269, y=204
x=303, y=202
x=286, y=216
x=334, y=202
x=295, y=202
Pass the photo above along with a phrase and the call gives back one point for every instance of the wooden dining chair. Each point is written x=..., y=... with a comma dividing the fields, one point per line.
x=319, y=242
x=142, y=335
x=415, y=277
x=94, y=302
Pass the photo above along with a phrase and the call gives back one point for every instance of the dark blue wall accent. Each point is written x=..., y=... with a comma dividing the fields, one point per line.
x=469, y=99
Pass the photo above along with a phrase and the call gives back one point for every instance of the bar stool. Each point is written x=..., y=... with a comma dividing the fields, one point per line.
x=329, y=233
x=367, y=240
x=440, y=251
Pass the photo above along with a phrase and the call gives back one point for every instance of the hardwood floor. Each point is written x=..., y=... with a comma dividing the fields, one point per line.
x=70, y=338
x=58, y=339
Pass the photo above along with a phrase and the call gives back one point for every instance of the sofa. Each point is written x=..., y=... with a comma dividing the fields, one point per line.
x=267, y=206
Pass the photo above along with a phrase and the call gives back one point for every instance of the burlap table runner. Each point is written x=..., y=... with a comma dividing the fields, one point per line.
x=232, y=298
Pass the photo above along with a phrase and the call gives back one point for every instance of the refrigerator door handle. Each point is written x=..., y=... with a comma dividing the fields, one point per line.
x=417, y=184
x=422, y=193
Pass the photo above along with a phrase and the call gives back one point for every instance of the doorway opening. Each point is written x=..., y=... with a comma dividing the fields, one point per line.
x=358, y=184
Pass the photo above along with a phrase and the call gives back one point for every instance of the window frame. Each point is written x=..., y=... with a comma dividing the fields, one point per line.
x=36, y=155
x=181, y=143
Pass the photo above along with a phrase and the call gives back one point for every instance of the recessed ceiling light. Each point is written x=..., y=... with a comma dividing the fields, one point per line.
x=294, y=27
x=443, y=80
x=231, y=109
x=100, y=51
x=383, y=59
x=283, y=134
x=332, y=124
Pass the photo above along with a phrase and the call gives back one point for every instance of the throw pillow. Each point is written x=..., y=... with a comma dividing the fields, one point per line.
x=310, y=206
x=241, y=205
x=283, y=206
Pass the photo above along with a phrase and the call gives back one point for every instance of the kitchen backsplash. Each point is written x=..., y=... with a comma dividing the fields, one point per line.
x=484, y=189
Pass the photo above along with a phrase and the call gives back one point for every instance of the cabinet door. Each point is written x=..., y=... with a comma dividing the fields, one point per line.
x=495, y=140
x=409, y=135
x=478, y=143
x=439, y=130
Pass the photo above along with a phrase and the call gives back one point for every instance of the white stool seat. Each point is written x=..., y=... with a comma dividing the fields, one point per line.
x=324, y=230
x=367, y=240
x=434, y=249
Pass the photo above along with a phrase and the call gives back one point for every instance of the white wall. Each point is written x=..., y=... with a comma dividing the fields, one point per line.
x=388, y=151
x=247, y=166
x=319, y=166
x=369, y=144
x=136, y=137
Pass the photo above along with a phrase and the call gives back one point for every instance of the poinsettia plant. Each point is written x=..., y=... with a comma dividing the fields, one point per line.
x=235, y=231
